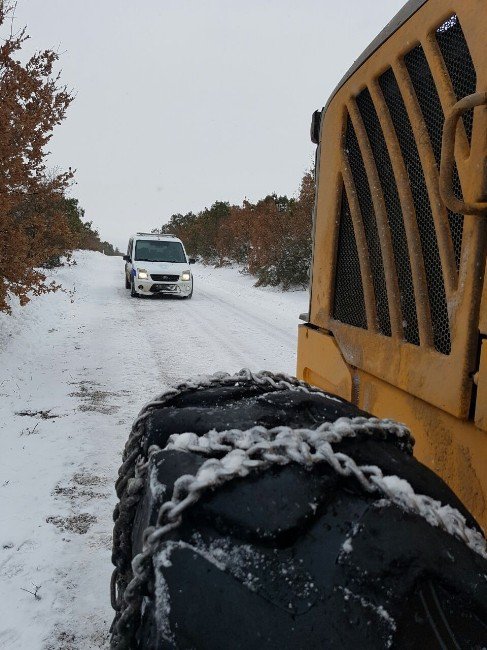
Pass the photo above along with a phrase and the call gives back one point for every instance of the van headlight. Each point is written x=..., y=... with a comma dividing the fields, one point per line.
x=142, y=274
x=186, y=276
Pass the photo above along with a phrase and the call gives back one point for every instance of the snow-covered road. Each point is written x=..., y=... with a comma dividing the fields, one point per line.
x=76, y=368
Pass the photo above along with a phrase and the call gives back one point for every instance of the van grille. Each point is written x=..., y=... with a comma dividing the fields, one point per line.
x=164, y=278
x=404, y=146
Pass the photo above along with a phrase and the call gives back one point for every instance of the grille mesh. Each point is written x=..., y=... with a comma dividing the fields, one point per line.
x=458, y=61
x=431, y=256
x=349, y=306
x=394, y=215
x=370, y=227
x=429, y=102
x=164, y=277
x=456, y=220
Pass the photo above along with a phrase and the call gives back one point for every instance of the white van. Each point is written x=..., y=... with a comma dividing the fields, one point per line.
x=157, y=264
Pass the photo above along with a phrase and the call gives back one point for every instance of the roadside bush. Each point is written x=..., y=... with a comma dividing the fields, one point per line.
x=270, y=238
x=32, y=230
x=38, y=225
x=84, y=236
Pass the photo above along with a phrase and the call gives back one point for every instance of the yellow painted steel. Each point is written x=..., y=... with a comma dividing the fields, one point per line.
x=481, y=401
x=441, y=397
x=455, y=449
x=320, y=362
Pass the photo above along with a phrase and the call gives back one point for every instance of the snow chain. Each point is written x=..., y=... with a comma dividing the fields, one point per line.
x=248, y=451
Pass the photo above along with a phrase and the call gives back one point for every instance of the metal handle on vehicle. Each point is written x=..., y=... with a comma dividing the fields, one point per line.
x=448, y=156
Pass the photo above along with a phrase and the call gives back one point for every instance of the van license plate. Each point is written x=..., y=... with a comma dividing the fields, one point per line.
x=165, y=287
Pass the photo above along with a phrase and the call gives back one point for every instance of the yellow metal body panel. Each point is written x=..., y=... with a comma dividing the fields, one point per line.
x=483, y=308
x=320, y=362
x=481, y=401
x=441, y=394
x=454, y=449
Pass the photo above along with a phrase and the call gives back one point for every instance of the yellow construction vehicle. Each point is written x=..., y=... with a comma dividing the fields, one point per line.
x=398, y=306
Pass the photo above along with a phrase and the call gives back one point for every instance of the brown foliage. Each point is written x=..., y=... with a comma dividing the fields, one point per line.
x=271, y=238
x=33, y=226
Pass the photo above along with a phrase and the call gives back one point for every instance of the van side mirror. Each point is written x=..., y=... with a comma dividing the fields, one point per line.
x=192, y=260
x=126, y=258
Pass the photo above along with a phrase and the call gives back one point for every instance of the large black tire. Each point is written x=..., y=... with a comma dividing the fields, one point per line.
x=292, y=555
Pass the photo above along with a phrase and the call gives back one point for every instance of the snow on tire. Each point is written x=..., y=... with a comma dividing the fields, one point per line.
x=287, y=518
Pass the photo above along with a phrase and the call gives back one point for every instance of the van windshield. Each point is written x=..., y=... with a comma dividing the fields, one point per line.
x=159, y=251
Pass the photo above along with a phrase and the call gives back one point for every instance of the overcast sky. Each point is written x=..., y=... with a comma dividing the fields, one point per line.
x=180, y=103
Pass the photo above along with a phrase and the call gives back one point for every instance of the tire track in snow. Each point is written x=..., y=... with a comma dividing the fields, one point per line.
x=210, y=332
x=259, y=323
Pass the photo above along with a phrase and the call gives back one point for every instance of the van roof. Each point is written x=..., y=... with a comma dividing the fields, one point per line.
x=156, y=236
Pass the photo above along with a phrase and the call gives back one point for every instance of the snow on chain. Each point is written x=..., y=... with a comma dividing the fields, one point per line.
x=279, y=381
x=259, y=448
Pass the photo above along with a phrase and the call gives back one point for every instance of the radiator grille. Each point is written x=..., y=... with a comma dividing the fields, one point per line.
x=394, y=215
x=429, y=244
x=349, y=306
x=370, y=228
x=429, y=101
x=459, y=64
x=376, y=186
x=456, y=220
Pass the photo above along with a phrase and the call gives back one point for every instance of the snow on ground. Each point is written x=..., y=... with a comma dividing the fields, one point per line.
x=76, y=368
